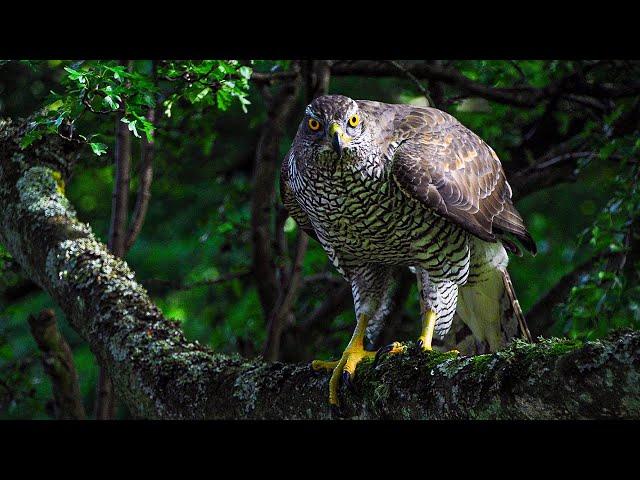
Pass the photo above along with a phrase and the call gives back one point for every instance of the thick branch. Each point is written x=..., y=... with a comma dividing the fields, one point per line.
x=57, y=361
x=159, y=374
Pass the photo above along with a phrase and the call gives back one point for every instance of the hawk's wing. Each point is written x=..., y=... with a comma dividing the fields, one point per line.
x=290, y=203
x=451, y=170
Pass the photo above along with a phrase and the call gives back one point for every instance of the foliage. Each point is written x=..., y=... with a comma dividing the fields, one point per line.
x=103, y=87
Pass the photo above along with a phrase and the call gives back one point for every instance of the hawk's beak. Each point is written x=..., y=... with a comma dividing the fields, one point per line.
x=338, y=138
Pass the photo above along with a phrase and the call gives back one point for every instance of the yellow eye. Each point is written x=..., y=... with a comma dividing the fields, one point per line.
x=314, y=124
x=354, y=120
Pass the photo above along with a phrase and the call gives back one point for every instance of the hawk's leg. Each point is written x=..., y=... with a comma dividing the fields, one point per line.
x=437, y=307
x=428, y=325
x=346, y=366
x=438, y=303
x=428, y=299
x=369, y=285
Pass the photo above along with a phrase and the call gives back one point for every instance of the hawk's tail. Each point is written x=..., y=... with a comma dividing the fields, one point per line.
x=489, y=314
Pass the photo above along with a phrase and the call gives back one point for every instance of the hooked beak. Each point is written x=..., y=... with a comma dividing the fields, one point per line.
x=338, y=138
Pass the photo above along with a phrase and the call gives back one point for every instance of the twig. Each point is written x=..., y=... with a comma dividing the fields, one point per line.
x=514, y=64
x=58, y=364
x=263, y=198
x=546, y=173
x=525, y=96
x=324, y=277
x=145, y=178
x=157, y=285
x=333, y=305
x=412, y=77
x=316, y=75
x=285, y=301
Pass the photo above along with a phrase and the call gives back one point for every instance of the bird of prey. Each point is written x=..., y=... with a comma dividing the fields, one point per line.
x=384, y=187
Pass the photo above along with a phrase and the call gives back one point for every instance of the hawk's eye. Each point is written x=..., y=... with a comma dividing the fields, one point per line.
x=314, y=124
x=354, y=120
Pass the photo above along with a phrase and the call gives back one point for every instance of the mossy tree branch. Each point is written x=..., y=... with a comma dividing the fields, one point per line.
x=158, y=373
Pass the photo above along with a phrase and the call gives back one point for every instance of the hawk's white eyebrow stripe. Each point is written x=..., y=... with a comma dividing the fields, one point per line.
x=311, y=113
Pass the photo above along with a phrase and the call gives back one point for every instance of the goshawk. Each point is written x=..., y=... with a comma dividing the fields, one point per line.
x=384, y=187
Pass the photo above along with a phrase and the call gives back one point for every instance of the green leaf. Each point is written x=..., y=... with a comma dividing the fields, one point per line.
x=245, y=72
x=52, y=107
x=98, y=148
x=73, y=74
x=132, y=128
x=109, y=101
x=30, y=137
x=203, y=93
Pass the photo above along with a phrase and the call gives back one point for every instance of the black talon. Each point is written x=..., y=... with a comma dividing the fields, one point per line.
x=381, y=352
x=346, y=379
x=420, y=343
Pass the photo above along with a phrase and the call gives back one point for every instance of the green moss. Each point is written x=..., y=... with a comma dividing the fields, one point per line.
x=480, y=362
x=436, y=358
x=564, y=345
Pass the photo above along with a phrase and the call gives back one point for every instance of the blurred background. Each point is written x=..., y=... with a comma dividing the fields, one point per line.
x=565, y=131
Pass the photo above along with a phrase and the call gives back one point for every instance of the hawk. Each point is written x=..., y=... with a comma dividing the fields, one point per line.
x=384, y=187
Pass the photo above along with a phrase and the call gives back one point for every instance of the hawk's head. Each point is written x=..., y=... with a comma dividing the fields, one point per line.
x=332, y=126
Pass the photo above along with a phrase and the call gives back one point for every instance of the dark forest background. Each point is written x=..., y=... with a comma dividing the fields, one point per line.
x=219, y=255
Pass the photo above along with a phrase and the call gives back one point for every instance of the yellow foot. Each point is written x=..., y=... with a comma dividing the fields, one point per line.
x=328, y=365
x=392, y=348
x=423, y=344
x=344, y=368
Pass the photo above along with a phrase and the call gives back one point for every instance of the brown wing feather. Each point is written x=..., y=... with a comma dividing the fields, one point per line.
x=450, y=169
x=291, y=204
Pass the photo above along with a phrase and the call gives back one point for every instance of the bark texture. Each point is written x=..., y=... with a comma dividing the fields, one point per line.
x=158, y=373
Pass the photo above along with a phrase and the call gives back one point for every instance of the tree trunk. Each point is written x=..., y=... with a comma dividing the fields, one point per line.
x=159, y=374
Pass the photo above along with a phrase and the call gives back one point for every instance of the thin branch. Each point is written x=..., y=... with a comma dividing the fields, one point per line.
x=334, y=304
x=527, y=97
x=316, y=74
x=522, y=96
x=57, y=360
x=412, y=77
x=263, y=199
x=145, y=177
x=539, y=317
x=286, y=299
x=268, y=79
x=158, y=285
x=323, y=277
x=545, y=174
x=514, y=64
